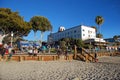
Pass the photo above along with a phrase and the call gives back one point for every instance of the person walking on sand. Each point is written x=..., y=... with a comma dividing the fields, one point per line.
x=2, y=51
x=96, y=57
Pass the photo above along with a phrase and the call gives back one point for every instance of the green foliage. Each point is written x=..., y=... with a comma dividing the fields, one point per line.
x=11, y=21
x=67, y=40
x=99, y=20
x=99, y=35
x=115, y=37
x=53, y=50
x=79, y=43
x=70, y=42
x=63, y=45
x=40, y=23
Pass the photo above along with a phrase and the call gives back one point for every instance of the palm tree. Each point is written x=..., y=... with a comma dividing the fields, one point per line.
x=99, y=20
x=99, y=35
x=40, y=23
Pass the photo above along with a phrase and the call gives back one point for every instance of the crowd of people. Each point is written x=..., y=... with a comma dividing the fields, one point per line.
x=7, y=49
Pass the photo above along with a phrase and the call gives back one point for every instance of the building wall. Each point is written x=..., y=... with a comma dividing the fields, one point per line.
x=87, y=33
x=81, y=32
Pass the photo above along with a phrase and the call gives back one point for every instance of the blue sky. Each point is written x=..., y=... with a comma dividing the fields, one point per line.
x=69, y=13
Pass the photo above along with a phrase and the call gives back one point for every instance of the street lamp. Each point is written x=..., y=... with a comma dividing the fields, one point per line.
x=11, y=37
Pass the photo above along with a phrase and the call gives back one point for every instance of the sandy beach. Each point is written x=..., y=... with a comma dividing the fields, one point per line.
x=107, y=68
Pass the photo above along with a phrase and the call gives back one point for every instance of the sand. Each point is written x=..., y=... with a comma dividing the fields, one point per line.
x=107, y=68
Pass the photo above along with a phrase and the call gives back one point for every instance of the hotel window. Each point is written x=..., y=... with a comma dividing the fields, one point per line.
x=88, y=35
x=68, y=33
x=83, y=34
x=74, y=31
x=89, y=31
x=74, y=36
x=83, y=30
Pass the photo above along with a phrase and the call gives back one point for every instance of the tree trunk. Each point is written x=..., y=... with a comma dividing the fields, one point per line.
x=34, y=35
x=41, y=37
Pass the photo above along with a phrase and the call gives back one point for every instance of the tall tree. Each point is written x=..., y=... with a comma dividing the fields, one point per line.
x=79, y=43
x=13, y=22
x=115, y=37
x=35, y=24
x=99, y=20
x=67, y=40
x=63, y=45
x=40, y=23
x=99, y=35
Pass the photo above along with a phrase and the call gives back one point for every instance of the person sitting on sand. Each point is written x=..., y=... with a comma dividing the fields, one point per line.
x=2, y=51
x=11, y=54
x=59, y=52
x=43, y=49
x=35, y=51
x=30, y=51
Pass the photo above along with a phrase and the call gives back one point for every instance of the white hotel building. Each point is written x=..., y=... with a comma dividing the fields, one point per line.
x=80, y=31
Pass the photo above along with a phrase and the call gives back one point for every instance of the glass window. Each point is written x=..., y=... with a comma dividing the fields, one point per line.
x=68, y=33
x=74, y=31
x=74, y=36
x=88, y=35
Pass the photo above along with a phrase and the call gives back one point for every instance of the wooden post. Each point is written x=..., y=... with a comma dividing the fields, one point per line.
x=20, y=58
x=0, y=58
x=86, y=58
x=42, y=58
x=75, y=52
x=39, y=58
x=53, y=57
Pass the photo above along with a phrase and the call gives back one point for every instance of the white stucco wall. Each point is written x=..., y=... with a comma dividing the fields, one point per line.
x=81, y=31
x=87, y=32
